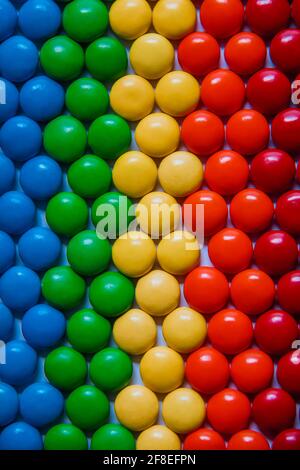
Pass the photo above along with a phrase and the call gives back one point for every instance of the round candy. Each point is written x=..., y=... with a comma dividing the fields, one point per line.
x=132, y=97
x=288, y=212
x=284, y=50
x=106, y=59
x=39, y=248
x=204, y=439
x=109, y=136
x=252, y=371
x=199, y=53
x=39, y=19
x=85, y=20
x=202, y=133
x=87, y=98
x=245, y=53
x=178, y=253
x=207, y=370
x=87, y=407
x=7, y=252
x=41, y=404
x=21, y=364
x=19, y=288
x=87, y=331
x=67, y=214
x=157, y=135
x=43, y=326
x=65, y=437
x=183, y=410
x=151, y=56
x=158, y=438
x=222, y=18
x=20, y=138
x=184, y=330
x=285, y=130
x=63, y=288
x=287, y=440
x=267, y=18
x=65, y=139
x=177, y=93
x=40, y=177
x=7, y=323
x=296, y=12
x=111, y=294
x=226, y=172
x=288, y=369
x=135, y=332
x=89, y=177
x=275, y=331
x=251, y=210
x=206, y=289
x=9, y=99
x=134, y=174
x=9, y=402
x=223, y=92
x=157, y=293
x=87, y=254
x=289, y=292
x=230, y=331
x=138, y=16
x=20, y=436
x=9, y=18
x=247, y=132
x=112, y=437
x=62, y=58
x=276, y=253
x=174, y=19
x=228, y=411
x=18, y=59
x=65, y=368
x=162, y=369
x=248, y=440
x=136, y=407
x=111, y=214
x=110, y=369
x=274, y=410
x=252, y=291
x=273, y=171
x=17, y=212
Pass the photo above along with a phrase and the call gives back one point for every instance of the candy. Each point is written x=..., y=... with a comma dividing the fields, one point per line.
x=87, y=99
x=18, y=59
x=132, y=97
x=39, y=19
x=65, y=437
x=7, y=323
x=87, y=254
x=85, y=20
x=178, y=253
x=20, y=436
x=284, y=50
x=135, y=332
x=138, y=16
x=226, y=172
x=252, y=371
x=247, y=132
x=21, y=364
x=267, y=18
x=119, y=209
x=251, y=211
x=67, y=214
x=63, y=288
x=136, y=407
x=112, y=437
x=222, y=18
x=157, y=135
x=109, y=136
x=19, y=288
x=62, y=58
x=20, y=138
x=65, y=368
x=158, y=438
x=106, y=59
x=248, y=440
x=87, y=331
x=87, y=407
x=10, y=107
x=289, y=292
x=174, y=19
x=43, y=326
x=287, y=440
x=245, y=53
x=288, y=372
x=228, y=411
x=275, y=332
x=89, y=177
x=202, y=133
x=41, y=404
x=110, y=369
x=287, y=212
x=204, y=439
x=274, y=410
x=285, y=130
x=199, y=53
x=9, y=404
x=39, y=248
x=9, y=18
x=7, y=252
x=183, y=410
x=40, y=177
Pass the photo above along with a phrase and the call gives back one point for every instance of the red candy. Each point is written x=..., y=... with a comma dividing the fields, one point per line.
x=203, y=133
x=248, y=440
x=274, y=410
x=288, y=372
x=199, y=54
x=287, y=440
x=247, y=132
x=252, y=371
x=204, y=439
x=268, y=17
x=286, y=130
x=296, y=12
x=222, y=18
x=245, y=53
x=275, y=331
x=289, y=292
x=288, y=212
x=251, y=210
x=285, y=50
x=226, y=172
x=273, y=171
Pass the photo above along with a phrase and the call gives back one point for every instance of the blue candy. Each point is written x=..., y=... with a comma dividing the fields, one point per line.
x=20, y=288
x=21, y=364
x=20, y=138
x=9, y=404
x=17, y=213
x=41, y=98
x=7, y=252
x=41, y=177
x=20, y=436
x=7, y=174
x=9, y=100
x=6, y=324
x=43, y=326
x=39, y=19
x=41, y=404
x=8, y=19
x=39, y=248
x=18, y=59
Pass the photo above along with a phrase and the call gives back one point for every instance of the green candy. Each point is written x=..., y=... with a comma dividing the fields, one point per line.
x=67, y=214
x=65, y=437
x=62, y=58
x=63, y=288
x=65, y=368
x=111, y=294
x=106, y=59
x=87, y=407
x=88, y=332
x=110, y=214
x=87, y=99
x=90, y=177
x=65, y=139
x=111, y=369
x=109, y=136
x=113, y=437
x=85, y=20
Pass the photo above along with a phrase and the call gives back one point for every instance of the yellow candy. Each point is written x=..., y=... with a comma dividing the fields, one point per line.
x=157, y=135
x=158, y=438
x=134, y=174
x=174, y=19
x=158, y=214
x=135, y=332
x=184, y=330
x=157, y=293
x=136, y=407
x=180, y=173
x=177, y=93
x=151, y=56
x=132, y=97
x=178, y=253
x=134, y=253
x=162, y=369
x=183, y=410
x=129, y=19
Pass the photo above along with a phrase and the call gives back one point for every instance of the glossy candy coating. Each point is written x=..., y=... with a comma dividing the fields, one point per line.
x=62, y=287
x=85, y=21
x=245, y=53
x=288, y=372
x=89, y=177
x=274, y=410
x=199, y=53
x=174, y=19
x=87, y=407
x=110, y=369
x=285, y=130
x=87, y=254
x=158, y=438
x=251, y=211
x=43, y=326
x=275, y=332
x=62, y=58
x=65, y=368
x=202, y=132
x=20, y=138
x=288, y=292
x=247, y=132
x=87, y=331
x=87, y=99
x=106, y=59
x=65, y=437
x=40, y=177
x=67, y=214
x=288, y=212
x=248, y=440
x=138, y=16
x=178, y=253
x=222, y=19
x=226, y=172
x=183, y=410
x=132, y=97
x=252, y=371
x=228, y=411
x=18, y=59
x=41, y=404
x=157, y=135
x=273, y=171
x=109, y=136
x=39, y=19
x=112, y=437
x=267, y=18
x=135, y=332
x=204, y=439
